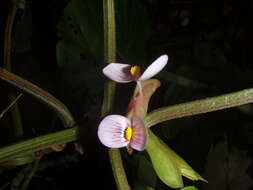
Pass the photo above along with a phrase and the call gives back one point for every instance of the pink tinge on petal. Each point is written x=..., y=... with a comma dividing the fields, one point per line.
x=111, y=131
x=154, y=68
x=118, y=72
x=140, y=134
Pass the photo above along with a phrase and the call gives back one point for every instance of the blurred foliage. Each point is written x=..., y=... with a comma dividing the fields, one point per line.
x=143, y=172
x=80, y=49
x=210, y=47
x=133, y=32
x=22, y=31
x=231, y=169
x=189, y=188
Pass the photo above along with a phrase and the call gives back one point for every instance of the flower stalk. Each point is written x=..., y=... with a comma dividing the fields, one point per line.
x=38, y=143
x=200, y=106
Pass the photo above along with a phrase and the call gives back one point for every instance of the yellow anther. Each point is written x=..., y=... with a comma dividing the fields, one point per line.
x=128, y=133
x=135, y=71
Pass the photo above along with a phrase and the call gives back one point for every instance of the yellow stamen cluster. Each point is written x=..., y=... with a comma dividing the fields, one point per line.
x=135, y=71
x=128, y=133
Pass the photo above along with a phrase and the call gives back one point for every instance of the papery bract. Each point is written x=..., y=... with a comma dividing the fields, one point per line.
x=116, y=131
x=124, y=73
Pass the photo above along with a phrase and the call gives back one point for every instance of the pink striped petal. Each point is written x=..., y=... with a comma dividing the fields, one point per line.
x=111, y=131
x=118, y=72
x=140, y=134
x=154, y=68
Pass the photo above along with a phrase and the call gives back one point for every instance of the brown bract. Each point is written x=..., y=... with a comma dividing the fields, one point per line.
x=138, y=105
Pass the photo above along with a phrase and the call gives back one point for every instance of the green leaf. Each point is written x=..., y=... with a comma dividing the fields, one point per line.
x=22, y=160
x=80, y=50
x=163, y=162
x=82, y=27
x=189, y=188
x=169, y=166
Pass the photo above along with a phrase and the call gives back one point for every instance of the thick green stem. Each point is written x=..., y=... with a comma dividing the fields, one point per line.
x=118, y=170
x=109, y=89
x=38, y=143
x=200, y=106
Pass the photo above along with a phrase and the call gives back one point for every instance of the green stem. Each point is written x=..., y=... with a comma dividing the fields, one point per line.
x=118, y=170
x=109, y=93
x=7, y=35
x=38, y=143
x=109, y=89
x=60, y=109
x=109, y=31
x=200, y=106
x=42, y=142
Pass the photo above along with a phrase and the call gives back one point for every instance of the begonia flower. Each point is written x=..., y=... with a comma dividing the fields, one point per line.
x=124, y=73
x=116, y=131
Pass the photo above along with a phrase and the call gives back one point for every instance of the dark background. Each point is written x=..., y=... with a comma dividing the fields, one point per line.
x=58, y=45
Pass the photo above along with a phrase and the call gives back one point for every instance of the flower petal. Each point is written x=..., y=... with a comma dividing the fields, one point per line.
x=119, y=72
x=140, y=134
x=154, y=68
x=111, y=131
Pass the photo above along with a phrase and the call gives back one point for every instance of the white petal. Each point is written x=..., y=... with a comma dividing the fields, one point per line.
x=140, y=134
x=118, y=72
x=154, y=68
x=111, y=131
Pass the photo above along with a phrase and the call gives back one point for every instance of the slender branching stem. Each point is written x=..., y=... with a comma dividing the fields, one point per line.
x=110, y=56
